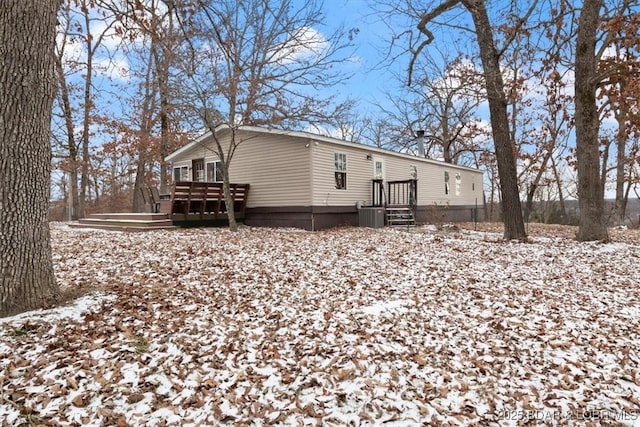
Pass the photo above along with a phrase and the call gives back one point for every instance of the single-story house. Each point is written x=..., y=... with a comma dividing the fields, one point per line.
x=299, y=179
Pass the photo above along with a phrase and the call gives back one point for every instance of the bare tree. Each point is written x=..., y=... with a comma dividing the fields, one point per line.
x=155, y=22
x=146, y=108
x=592, y=224
x=66, y=143
x=443, y=101
x=85, y=27
x=27, y=34
x=548, y=141
x=256, y=62
x=620, y=92
x=490, y=55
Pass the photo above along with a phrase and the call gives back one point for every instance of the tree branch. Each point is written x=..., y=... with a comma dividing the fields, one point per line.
x=422, y=27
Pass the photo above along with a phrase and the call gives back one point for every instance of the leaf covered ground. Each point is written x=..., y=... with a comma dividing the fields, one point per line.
x=343, y=327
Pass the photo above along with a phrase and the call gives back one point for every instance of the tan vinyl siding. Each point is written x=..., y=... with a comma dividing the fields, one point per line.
x=431, y=184
x=360, y=172
x=299, y=170
x=359, y=175
x=276, y=167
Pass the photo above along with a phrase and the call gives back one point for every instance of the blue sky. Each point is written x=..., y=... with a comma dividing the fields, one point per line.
x=372, y=76
x=377, y=72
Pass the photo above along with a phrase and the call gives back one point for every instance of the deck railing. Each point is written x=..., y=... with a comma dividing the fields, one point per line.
x=398, y=193
x=202, y=198
x=404, y=192
x=377, y=193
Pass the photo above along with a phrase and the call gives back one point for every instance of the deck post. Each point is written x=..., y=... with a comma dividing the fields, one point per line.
x=377, y=193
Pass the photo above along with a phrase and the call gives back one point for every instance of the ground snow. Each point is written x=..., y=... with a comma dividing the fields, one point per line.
x=343, y=327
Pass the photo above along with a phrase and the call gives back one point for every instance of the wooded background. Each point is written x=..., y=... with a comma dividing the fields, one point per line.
x=490, y=84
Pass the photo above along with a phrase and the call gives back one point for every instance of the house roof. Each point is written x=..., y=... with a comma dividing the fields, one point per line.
x=314, y=137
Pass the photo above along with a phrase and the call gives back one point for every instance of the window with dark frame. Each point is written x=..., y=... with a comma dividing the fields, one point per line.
x=446, y=183
x=340, y=172
x=198, y=170
x=181, y=173
x=214, y=171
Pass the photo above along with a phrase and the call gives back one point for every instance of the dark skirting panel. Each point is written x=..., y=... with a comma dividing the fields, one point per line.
x=323, y=217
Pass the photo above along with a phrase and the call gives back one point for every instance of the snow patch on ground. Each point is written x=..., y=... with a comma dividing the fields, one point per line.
x=342, y=327
x=397, y=306
x=75, y=311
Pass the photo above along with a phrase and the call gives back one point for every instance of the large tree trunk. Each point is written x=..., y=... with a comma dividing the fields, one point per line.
x=27, y=34
x=504, y=147
x=591, y=224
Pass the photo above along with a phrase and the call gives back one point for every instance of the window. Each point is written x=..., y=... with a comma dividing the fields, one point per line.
x=458, y=184
x=214, y=171
x=340, y=171
x=199, y=174
x=473, y=186
x=446, y=183
x=197, y=165
x=181, y=173
x=379, y=169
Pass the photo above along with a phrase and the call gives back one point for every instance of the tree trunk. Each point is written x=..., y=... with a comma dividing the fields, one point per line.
x=563, y=208
x=86, y=117
x=591, y=224
x=228, y=197
x=533, y=188
x=71, y=140
x=504, y=147
x=138, y=204
x=27, y=34
x=621, y=162
x=163, y=83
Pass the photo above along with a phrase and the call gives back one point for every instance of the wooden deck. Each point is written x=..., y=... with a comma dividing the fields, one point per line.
x=126, y=222
x=200, y=201
x=190, y=204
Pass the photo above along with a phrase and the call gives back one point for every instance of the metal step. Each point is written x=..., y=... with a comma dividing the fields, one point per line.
x=398, y=216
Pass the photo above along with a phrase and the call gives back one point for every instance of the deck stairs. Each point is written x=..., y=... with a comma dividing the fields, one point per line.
x=400, y=216
x=126, y=222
